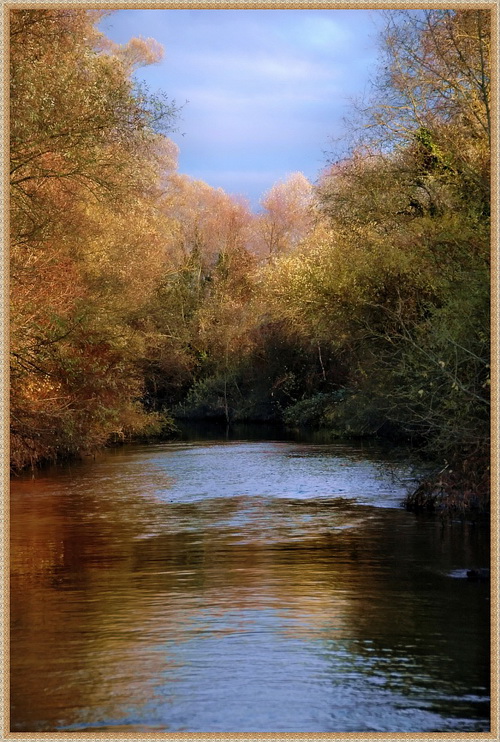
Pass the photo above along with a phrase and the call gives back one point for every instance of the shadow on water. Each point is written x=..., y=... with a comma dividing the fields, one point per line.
x=218, y=430
x=228, y=586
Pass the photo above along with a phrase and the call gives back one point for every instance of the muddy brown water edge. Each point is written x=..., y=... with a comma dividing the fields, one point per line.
x=244, y=584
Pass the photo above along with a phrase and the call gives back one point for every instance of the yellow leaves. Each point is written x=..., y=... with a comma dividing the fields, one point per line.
x=125, y=255
x=139, y=52
x=166, y=153
x=207, y=221
x=88, y=237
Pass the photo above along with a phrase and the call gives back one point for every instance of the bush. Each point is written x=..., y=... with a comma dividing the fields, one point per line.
x=314, y=411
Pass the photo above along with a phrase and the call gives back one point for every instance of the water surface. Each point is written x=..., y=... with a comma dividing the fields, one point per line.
x=242, y=586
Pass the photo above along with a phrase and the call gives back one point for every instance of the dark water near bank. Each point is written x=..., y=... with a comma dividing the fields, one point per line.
x=242, y=586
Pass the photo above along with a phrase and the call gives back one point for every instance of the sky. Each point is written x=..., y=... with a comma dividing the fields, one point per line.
x=264, y=92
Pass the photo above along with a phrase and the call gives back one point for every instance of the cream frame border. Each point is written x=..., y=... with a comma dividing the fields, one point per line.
x=494, y=6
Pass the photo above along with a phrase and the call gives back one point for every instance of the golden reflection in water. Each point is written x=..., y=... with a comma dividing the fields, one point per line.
x=108, y=587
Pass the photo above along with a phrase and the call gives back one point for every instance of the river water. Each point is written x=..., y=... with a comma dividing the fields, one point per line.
x=242, y=585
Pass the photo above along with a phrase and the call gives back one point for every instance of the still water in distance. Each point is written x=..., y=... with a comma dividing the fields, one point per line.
x=243, y=585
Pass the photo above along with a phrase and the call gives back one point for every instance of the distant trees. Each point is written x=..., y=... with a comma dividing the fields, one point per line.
x=288, y=215
x=199, y=308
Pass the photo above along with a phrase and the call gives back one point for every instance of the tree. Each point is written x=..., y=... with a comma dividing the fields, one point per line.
x=435, y=89
x=196, y=316
x=288, y=215
x=86, y=162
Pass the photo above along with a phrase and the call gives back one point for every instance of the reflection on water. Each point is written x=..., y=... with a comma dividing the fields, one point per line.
x=232, y=586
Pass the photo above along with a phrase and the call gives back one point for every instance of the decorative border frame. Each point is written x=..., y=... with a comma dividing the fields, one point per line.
x=494, y=6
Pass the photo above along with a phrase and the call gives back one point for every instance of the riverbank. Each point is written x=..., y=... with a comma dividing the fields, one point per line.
x=453, y=491
x=460, y=490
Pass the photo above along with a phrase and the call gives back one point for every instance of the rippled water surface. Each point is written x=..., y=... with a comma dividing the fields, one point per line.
x=242, y=586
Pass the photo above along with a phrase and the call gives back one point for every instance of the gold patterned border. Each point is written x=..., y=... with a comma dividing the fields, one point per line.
x=494, y=734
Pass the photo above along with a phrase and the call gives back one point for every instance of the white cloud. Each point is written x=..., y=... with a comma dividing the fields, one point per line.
x=282, y=100
x=248, y=66
x=265, y=88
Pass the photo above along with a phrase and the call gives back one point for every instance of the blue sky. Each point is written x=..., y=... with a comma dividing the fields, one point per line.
x=267, y=90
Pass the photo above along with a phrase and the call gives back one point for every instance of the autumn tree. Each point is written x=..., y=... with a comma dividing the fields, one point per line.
x=394, y=279
x=196, y=317
x=86, y=162
x=287, y=216
x=435, y=91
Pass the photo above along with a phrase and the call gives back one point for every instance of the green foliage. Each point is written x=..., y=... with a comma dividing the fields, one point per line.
x=158, y=425
x=214, y=397
x=396, y=281
x=315, y=411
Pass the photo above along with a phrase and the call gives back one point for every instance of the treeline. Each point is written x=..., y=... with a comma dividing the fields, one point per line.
x=360, y=304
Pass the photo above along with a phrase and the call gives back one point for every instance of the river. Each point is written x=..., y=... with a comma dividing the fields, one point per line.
x=242, y=584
